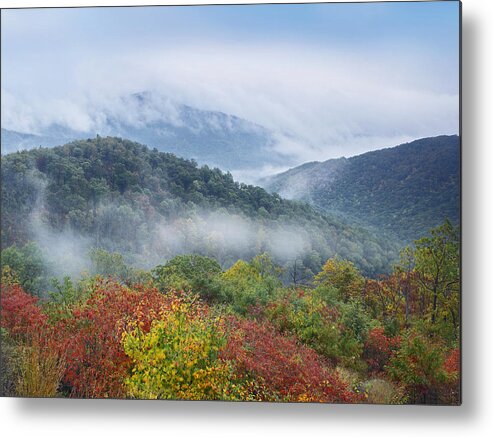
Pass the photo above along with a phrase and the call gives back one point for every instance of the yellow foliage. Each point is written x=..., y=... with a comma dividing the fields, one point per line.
x=178, y=359
x=342, y=275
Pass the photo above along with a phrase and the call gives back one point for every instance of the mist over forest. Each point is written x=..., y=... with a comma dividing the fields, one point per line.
x=150, y=206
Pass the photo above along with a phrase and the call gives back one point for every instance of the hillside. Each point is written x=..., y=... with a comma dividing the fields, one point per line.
x=403, y=190
x=150, y=206
x=210, y=137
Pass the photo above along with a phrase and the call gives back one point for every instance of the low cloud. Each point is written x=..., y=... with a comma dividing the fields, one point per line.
x=320, y=103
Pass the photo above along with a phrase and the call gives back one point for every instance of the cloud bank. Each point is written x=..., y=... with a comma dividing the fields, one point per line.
x=320, y=100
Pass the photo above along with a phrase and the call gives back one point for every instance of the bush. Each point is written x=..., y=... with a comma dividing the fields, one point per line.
x=90, y=339
x=28, y=266
x=245, y=285
x=190, y=272
x=282, y=368
x=179, y=358
x=419, y=365
x=379, y=349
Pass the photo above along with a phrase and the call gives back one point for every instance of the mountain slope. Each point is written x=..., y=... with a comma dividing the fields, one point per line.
x=149, y=205
x=405, y=190
x=210, y=137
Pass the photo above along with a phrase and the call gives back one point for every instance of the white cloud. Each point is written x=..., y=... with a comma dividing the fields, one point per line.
x=321, y=103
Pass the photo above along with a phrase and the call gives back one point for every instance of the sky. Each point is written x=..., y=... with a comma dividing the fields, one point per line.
x=336, y=79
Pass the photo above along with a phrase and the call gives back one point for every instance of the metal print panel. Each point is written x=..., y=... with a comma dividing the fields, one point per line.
x=236, y=203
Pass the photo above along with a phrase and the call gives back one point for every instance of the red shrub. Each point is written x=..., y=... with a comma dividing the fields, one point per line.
x=95, y=359
x=450, y=391
x=379, y=349
x=284, y=369
x=21, y=315
x=452, y=362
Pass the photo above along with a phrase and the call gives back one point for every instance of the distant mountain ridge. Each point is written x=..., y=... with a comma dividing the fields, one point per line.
x=210, y=137
x=405, y=190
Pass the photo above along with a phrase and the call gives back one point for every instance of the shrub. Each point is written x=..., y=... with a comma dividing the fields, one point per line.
x=28, y=265
x=282, y=369
x=380, y=391
x=190, y=272
x=32, y=362
x=379, y=348
x=21, y=315
x=245, y=285
x=179, y=358
x=343, y=276
x=96, y=362
x=419, y=365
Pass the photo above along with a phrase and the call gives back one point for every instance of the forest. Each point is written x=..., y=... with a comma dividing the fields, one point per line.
x=149, y=205
x=132, y=273
x=405, y=190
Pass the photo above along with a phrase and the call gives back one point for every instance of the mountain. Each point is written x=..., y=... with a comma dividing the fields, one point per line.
x=12, y=141
x=149, y=205
x=403, y=190
x=210, y=137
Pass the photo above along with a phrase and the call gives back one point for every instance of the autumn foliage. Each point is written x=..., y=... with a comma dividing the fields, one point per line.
x=284, y=369
x=21, y=314
x=239, y=335
x=379, y=348
x=95, y=358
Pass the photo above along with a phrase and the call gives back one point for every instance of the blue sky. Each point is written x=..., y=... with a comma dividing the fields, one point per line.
x=337, y=79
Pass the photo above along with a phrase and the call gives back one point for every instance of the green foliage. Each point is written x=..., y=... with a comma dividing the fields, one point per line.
x=247, y=284
x=356, y=320
x=112, y=264
x=190, y=272
x=419, y=365
x=402, y=191
x=120, y=194
x=66, y=296
x=306, y=316
x=28, y=266
x=343, y=276
x=336, y=331
x=437, y=261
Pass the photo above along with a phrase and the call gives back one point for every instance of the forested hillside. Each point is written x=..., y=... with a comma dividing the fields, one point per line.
x=132, y=273
x=122, y=196
x=403, y=190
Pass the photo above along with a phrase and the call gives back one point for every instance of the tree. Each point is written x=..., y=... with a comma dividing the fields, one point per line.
x=419, y=364
x=437, y=262
x=246, y=284
x=342, y=275
x=28, y=266
x=190, y=272
x=298, y=273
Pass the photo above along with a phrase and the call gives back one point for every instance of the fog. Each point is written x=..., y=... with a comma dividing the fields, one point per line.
x=146, y=242
x=319, y=104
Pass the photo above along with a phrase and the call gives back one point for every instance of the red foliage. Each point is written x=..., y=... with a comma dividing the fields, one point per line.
x=286, y=369
x=449, y=392
x=379, y=349
x=90, y=340
x=452, y=362
x=21, y=315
